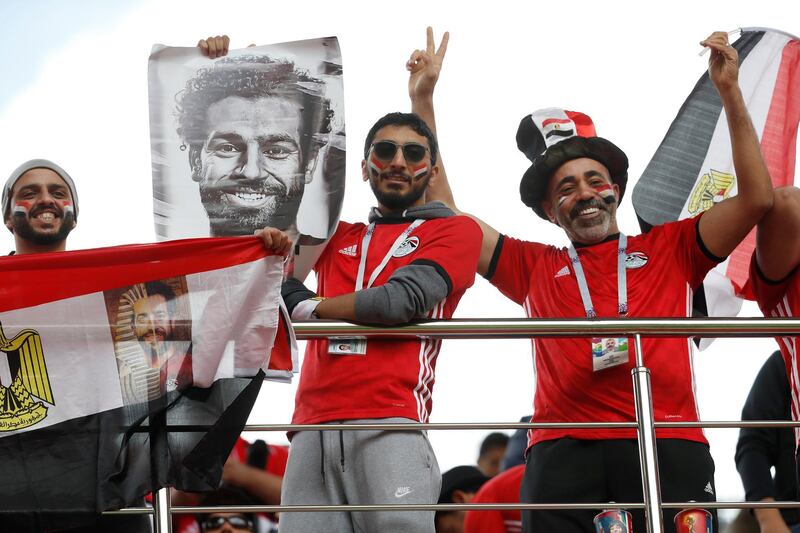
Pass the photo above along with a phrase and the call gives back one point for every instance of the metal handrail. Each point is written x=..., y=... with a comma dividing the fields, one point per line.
x=527, y=328
x=453, y=507
x=424, y=426
x=467, y=328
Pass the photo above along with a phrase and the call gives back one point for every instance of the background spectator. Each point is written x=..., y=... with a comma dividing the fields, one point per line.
x=227, y=522
x=759, y=450
x=253, y=472
x=503, y=488
x=492, y=451
x=459, y=485
x=517, y=444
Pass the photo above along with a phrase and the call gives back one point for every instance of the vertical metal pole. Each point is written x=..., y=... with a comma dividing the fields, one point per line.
x=162, y=517
x=648, y=458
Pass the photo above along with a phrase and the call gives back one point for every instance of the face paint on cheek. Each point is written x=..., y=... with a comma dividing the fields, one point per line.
x=21, y=209
x=560, y=201
x=419, y=171
x=606, y=192
x=375, y=164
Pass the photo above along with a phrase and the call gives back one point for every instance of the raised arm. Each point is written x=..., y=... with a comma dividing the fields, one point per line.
x=215, y=46
x=424, y=67
x=724, y=226
x=778, y=236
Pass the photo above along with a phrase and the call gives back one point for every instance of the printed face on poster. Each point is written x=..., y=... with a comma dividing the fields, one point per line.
x=151, y=327
x=252, y=139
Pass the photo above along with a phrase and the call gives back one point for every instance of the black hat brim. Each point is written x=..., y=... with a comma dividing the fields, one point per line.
x=533, y=187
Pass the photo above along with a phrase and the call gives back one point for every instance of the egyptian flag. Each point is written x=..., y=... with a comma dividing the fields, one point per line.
x=693, y=167
x=124, y=370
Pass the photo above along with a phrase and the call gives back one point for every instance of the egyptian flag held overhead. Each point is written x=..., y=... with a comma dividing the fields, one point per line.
x=124, y=370
x=693, y=167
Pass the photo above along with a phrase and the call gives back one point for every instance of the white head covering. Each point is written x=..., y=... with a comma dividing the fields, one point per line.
x=30, y=165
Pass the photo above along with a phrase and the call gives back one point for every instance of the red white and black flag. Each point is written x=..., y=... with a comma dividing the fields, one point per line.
x=128, y=369
x=693, y=167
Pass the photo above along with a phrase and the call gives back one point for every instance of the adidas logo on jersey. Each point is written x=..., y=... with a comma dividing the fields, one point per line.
x=349, y=250
x=708, y=488
x=563, y=272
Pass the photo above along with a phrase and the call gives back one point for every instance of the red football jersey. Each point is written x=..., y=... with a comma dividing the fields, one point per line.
x=663, y=267
x=503, y=488
x=394, y=378
x=781, y=300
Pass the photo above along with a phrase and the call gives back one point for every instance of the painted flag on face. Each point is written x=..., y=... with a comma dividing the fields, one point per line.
x=124, y=370
x=693, y=167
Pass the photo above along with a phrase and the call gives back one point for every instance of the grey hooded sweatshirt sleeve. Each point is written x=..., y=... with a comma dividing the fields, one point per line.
x=411, y=291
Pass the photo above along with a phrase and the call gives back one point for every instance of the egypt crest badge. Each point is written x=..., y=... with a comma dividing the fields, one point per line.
x=22, y=400
x=712, y=188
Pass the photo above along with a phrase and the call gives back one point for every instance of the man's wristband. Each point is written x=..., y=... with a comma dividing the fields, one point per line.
x=306, y=310
x=293, y=292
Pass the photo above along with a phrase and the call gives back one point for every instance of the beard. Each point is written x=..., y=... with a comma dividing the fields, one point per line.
x=156, y=346
x=398, y=201
x=278, y=208
x=588, y=231
x=22, y=226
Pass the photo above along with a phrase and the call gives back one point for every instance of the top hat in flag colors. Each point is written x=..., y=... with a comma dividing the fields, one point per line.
x=549, y=138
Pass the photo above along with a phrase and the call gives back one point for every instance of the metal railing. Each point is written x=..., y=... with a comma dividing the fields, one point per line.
x=526, y=328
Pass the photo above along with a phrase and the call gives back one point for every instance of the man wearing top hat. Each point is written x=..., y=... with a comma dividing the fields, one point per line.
x=576, y=181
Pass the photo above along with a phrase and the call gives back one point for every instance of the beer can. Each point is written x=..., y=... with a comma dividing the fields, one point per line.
x=693, y=521
x=613, y=521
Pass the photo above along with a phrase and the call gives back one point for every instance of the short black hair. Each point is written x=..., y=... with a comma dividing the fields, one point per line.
x=153, y=288
x=157, y=288
x=227, y=495
x=493, y=440
x=254, y=76
x=411, y=120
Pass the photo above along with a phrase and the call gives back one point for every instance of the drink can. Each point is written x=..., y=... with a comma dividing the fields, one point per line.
x=613, y=521
x=693, y=521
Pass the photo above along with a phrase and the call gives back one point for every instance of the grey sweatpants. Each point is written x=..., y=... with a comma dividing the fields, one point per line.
x=357, y=468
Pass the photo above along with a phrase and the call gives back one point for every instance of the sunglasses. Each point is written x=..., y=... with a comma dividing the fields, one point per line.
x=412, y=152
x=216, y=522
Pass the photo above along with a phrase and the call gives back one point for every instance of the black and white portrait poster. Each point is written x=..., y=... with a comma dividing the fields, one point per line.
x=252, y=139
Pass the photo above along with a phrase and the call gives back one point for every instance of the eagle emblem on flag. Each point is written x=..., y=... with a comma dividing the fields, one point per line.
x=21, y=401
x=711, y=188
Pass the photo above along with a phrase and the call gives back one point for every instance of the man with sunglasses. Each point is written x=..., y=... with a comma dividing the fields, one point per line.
x=576, y=181
x=227, y=523
x=413, y=260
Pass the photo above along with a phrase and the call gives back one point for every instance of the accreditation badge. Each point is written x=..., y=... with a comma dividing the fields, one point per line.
x=608, y=352
x=347, y=345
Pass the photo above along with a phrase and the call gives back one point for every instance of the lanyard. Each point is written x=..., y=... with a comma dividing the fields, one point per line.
x=362, y=265
x=622, y=287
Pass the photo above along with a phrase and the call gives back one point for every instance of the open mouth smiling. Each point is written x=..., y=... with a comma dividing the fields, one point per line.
x=252, y=197
x=46, y=216
x=588, y=210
